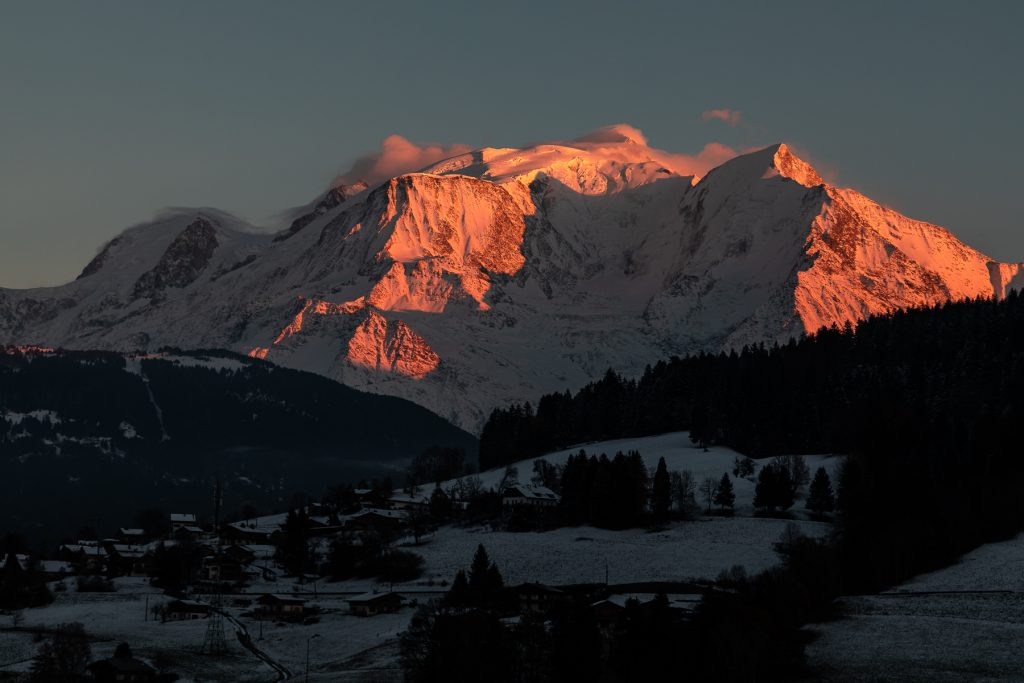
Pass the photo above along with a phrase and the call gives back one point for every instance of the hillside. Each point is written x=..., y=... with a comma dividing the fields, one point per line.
x=107, y=435
x=501, y=274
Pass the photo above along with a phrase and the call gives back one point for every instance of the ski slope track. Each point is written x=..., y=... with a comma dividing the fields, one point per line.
x=501, y=274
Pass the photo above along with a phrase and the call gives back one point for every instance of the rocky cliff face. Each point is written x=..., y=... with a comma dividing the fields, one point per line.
x=503, y=273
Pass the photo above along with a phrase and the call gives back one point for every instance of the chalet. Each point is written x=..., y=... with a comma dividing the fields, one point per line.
x=182, y=520
x=242, y=533
x=240, y=553
x=123, y=668
x=127, y=560
x=55, y=570
x=375, y=519
x=281, y=606
x=186, y=610
x=408, y=501
x=223, y=567
x=527, y=494
x=131, y=536
x=86, y=556
x=371, y=604
x=609, y=611
x=538, y=598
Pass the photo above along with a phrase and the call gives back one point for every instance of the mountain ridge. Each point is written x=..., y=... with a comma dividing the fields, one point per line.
x=500, y=274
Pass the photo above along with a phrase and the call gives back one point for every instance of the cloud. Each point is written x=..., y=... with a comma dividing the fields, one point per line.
x=396, y=156
x=629, y=143
x=619, y=132
x=713, y=154
x=729, y=116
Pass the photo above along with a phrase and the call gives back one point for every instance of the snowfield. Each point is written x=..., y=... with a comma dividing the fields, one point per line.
x=680, y=454
x=685, y=550
x=962, y=623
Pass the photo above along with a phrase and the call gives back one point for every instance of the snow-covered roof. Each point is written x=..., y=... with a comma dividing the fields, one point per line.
x=182, y=518
x=371, y=597
x=532, y=492
x=131, y=532
x=675, y=600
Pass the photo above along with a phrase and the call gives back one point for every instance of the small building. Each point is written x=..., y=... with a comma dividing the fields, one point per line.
x=123, y=668
x=55, y=570
x=131, y=536
x=374, y=519
x=242, y=533
x=181, y=520
x=407, y=501
x=186, y=610
x=240, y=553
x=281, y=606
x=530, y=495
x=538, y=598
x=223, y=567
x=371, y=604
x=127, y=560
x=88, y=557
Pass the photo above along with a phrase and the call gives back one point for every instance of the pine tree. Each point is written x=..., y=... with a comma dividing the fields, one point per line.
x=820, y=498
x=458, y=594
x=725, y=497
x=478, y=570
x=661, y=491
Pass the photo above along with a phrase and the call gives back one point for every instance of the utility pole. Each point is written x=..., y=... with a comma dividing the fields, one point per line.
x=312, y=637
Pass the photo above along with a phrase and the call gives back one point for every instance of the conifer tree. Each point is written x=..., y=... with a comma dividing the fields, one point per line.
x=661, y=491
x=820, y=498
x=725, y=497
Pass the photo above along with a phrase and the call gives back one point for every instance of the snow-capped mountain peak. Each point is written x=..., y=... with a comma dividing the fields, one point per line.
x=503, y=273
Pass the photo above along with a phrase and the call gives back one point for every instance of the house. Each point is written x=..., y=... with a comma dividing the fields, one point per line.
x=181, y=520
x=280, y=606
x=87, y=556
x=127, y=560
x=223, y=567
x=122, y=670
x=55, y=570
x=186, y=610
x=122, y=667
x=538, y=598
x=241, y=533
x=131, y=536
x=407, y=501
x=240, y=553
x=371, y=604
x=529, y=495
x=374, y=519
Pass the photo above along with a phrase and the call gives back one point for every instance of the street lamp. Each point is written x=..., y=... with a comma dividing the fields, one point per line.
x=312, y=637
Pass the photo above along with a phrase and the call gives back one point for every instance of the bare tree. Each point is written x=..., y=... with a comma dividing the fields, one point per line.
x=684, y=492
x=709, y=488
x=509, y=479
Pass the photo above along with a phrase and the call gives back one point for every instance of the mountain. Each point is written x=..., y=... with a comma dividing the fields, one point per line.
x=501, y=274
x=105, y=435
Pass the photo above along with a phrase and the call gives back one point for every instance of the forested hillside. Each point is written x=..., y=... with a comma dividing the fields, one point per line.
x=111, y=433
x=928, y=403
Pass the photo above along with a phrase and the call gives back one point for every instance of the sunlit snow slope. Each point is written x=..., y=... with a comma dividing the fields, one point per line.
x=501, y=274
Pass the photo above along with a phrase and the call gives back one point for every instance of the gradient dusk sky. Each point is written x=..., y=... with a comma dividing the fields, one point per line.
x=113, y=110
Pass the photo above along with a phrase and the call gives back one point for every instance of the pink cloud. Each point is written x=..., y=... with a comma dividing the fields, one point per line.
x=713, y=154
x=396, y=156
x=729, y=116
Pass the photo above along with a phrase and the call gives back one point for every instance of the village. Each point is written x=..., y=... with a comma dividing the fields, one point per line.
x=332, y=586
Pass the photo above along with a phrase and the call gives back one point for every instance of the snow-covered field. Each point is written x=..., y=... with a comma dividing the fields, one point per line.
x=962, y=623
x=684, y=550
x=680, y=454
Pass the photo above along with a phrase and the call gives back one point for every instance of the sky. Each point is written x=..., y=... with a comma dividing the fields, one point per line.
x=111, y=111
